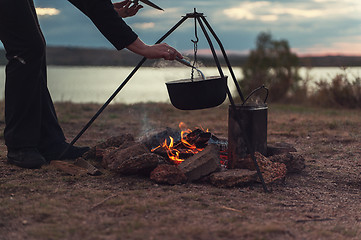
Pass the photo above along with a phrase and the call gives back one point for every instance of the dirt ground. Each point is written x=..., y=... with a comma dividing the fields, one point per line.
x=322, y=202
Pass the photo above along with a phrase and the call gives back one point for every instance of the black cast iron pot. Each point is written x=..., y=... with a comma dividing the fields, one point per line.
x=188, y=94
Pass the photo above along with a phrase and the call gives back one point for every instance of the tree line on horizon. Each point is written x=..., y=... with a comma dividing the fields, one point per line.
x=76, y=56
x=273, y=65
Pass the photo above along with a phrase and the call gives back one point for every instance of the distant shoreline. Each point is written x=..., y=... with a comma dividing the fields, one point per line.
x=74, y=56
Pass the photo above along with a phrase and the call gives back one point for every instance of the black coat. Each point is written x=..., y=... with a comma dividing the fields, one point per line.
x=107, y=20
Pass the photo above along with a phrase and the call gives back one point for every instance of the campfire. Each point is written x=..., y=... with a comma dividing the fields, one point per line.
x=191, y=142
x=173, y=156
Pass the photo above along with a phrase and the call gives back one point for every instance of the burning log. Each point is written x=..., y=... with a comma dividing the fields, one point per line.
x=190, y=143
x=198, y=138
x=201, y=164
x=169, y=174
x=153, y=138
x=233, y=177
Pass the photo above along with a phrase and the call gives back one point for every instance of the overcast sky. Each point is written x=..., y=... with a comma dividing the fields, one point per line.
x=310, y=26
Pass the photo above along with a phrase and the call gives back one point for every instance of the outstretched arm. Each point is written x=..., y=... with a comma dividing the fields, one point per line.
x=106, y=18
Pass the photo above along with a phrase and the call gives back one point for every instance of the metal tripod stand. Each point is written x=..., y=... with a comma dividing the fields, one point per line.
x=199, y=17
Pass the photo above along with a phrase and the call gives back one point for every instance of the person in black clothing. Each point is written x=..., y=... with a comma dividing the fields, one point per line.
x=32, y=133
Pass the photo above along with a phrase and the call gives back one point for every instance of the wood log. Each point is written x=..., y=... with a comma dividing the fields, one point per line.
x=201, y=164
x=139, y=164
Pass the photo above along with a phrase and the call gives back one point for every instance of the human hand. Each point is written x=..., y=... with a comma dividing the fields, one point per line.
x=124, y=9
x=161, y=50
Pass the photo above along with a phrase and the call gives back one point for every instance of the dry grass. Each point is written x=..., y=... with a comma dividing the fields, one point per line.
x=323, y=202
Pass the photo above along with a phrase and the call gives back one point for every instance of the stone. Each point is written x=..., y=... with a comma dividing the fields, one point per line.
x=134, y=159
x=201, y=164
x=295, y=163
x=271, y=171
x=100, y=152
x=96, y=152
x=168, y=174
x=116, y=141
x=233, y=177
x=121, y=154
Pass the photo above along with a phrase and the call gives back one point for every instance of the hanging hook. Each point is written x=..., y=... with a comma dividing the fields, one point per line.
x=195, y=46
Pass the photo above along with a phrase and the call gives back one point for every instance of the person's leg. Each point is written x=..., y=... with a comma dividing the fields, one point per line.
x=52, y=140
x=25, y=48
x=30, y=118
x=51, y=132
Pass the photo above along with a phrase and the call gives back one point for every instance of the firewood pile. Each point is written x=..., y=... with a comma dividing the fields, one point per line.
x=125, y=155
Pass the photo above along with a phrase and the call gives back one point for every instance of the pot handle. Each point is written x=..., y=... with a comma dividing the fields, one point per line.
x=255, y=90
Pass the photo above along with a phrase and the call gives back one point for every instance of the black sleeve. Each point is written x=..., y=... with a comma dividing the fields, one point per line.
x=107, y=20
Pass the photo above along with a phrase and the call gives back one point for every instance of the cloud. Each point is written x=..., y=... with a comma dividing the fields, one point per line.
x=161, y=21
x=267, y=11
x=145, y=25
x=47, y=11
x=151, y=13
x=248, y=11
x=309, y=25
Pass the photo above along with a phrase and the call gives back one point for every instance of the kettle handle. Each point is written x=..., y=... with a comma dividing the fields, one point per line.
x=255, y=90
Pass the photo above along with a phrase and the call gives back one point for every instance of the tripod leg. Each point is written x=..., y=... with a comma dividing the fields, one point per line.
x=96, y=115
x=238, y=118
x=225, y=57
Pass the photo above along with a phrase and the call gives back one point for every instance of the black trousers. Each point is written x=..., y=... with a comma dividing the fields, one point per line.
x=30, y=116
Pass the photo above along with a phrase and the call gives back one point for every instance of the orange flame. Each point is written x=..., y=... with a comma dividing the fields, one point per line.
x=187, y=148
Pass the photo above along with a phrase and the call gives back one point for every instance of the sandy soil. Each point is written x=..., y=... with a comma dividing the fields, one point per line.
x=322, y=202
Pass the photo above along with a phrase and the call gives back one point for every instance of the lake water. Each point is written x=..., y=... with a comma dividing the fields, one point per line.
x=96, y=84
